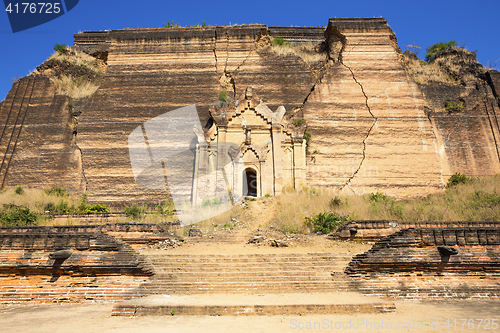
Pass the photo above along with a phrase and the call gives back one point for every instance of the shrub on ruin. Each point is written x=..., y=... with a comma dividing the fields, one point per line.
x=202, y=25
x=166, y=208
x=454, y=105
x=335, y=202
x=210, y=202
x=307, y=137
x=56, y=191
x=324, y=222
x=309, y=52
x=133, y=211
x=298, y=122
x=63, y=207
x=457, y=178
x=13, y=215
x=379, y=197
x=414, y=48
x=224, y=96
x=481, y=199
x=49, y=207
x=97, y=208
x=279, y=41
x=425, y=73
x=83, y=206
x=436, y=49
x=382, y=204
x=19, y=190
x=59, y=47
x=170, y=24
x=74, y=74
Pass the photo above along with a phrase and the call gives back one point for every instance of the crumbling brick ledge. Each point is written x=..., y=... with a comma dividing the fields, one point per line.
x=455, y=262
x=68, y=264
x=373, y=230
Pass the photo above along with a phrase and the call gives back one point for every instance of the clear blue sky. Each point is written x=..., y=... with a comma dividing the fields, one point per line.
x=471, y=23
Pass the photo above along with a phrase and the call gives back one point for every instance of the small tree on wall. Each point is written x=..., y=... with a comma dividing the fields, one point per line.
x=434, y=50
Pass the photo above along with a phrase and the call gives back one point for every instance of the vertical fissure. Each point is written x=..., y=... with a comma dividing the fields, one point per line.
x=227, y=52
x=371, y=114
x=75, y=134
x=215, y=50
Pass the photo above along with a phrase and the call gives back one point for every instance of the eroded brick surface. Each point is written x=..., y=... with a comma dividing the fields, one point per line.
x=374, y=230
x=97, y=266
x=410, y=264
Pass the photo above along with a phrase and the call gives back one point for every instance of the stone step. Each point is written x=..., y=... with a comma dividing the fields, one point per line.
x=268, y=304
x=262, y=255
x=223, y=283
x=254, y=285
x=249, y=261
x=247, y=280
x=246, y=289
x=309, y=261
x=253, y=273
x=226, y=285
x=248, y=271
x=246, y=268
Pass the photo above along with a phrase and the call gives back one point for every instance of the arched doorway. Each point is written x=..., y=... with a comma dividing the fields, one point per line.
x=250, y=185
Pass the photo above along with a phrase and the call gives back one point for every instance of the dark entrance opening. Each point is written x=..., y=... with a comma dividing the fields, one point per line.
x=251, y=178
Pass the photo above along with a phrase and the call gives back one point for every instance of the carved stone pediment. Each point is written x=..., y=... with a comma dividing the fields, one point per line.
x=260, y=150
x=249, y=104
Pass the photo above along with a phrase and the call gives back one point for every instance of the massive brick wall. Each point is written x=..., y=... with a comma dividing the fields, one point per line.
x=409, y=263
x=37, y=143
x=366, y=116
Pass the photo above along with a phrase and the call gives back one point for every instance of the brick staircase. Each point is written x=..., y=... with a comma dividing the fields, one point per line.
x=249, y=284
x=247, y=273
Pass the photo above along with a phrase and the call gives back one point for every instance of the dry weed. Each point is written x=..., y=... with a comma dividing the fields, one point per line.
x=219, y=220
x=76, y=58
x=425, y=73
x=35, y=199
x=65, y=71
x=294, y=206
x=74, y=88
x=306, y=51
x=477, y=200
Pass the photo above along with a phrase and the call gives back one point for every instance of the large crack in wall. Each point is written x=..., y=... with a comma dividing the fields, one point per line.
x=296, y=111
x=340, y=59
x=75, y=135
x=226, y=79
x=215, y=51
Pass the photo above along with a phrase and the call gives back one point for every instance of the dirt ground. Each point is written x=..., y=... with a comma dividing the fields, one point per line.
x=418, y=316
